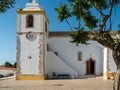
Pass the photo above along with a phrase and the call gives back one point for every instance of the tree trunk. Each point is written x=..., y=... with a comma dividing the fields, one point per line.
x=116, y=85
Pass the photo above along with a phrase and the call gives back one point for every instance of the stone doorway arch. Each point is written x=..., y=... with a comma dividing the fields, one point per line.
x=90, y=67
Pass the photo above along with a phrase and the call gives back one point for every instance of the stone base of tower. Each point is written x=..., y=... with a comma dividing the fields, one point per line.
x=30, y=77
x=105, y=76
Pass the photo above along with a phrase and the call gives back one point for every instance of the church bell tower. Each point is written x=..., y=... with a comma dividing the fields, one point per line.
x=32, y=31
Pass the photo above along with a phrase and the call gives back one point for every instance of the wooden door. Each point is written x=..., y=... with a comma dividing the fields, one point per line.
x=90, y=67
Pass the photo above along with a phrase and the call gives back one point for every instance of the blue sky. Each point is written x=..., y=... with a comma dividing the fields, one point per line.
x=8, y=26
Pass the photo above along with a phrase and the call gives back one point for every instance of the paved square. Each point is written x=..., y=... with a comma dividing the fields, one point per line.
x=71, y=84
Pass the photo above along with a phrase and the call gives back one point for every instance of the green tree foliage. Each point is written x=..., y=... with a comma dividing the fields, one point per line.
x=81, y=34
x=14, y=65
x=8, y=64
x=6, y=4
x=94, y=15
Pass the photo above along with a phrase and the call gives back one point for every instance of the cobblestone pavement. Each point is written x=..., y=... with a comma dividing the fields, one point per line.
x=71, y=84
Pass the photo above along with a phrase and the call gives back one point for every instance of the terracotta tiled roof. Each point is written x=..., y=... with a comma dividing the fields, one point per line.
x=59, y=34
x=6, y=68
x=67, y=33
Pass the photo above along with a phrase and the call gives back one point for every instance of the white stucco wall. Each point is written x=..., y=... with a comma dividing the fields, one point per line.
x=29, y=48
x=68, y=52
x=55, y=64
x=112, y=67
x=37, y=26
x=45, y=49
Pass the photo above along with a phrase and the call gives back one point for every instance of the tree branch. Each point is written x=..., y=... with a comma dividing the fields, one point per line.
x=69, y=24
x=105, y=18
x=116, y=59
x=99, y=11
x=104, y=39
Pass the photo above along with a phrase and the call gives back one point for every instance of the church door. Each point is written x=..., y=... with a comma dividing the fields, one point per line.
x=90, y=67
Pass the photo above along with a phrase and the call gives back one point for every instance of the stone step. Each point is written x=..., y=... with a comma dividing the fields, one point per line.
x=87, y=76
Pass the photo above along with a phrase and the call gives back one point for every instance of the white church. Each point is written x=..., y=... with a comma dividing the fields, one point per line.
x=42, y=54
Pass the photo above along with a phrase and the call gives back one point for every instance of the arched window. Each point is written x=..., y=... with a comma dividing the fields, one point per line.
x=29, y=21
x=46, y=26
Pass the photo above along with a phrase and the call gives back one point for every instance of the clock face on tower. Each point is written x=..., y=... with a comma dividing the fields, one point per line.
x=30, y=36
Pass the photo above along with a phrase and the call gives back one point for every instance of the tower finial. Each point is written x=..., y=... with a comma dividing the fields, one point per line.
x=33, y=1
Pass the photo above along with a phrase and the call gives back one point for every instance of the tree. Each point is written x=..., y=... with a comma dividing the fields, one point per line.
x=92, y=26
x=14, y=65
x=6, y=4
x=8, y=64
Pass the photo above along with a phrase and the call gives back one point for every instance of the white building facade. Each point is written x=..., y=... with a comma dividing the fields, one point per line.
x=41, y=53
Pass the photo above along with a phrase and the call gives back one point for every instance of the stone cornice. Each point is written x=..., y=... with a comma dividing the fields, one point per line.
x=41, y=11
x=32, y=32
x=67, y=33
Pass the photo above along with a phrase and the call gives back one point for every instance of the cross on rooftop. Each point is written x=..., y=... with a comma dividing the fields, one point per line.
x=33, y=1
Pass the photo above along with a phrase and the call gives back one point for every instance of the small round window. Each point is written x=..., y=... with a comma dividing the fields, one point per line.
x=30, y=36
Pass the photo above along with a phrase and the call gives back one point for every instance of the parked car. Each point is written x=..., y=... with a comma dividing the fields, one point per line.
x=1, y=76
x=9, y=74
